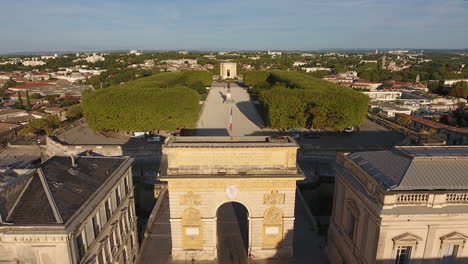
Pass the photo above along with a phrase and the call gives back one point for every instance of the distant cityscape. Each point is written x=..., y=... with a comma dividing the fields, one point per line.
x=356, y=156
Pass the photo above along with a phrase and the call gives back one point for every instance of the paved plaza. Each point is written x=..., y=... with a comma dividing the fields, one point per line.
x=215, y=117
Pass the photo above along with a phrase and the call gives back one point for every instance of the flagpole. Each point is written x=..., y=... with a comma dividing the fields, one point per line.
x=230, y=122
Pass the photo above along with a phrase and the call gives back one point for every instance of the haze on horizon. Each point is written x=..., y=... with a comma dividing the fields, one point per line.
x=53, y=25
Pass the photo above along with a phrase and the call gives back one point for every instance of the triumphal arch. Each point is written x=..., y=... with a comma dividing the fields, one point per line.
x=257, y=173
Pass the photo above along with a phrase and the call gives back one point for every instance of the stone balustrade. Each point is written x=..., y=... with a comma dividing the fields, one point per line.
x=435, y=200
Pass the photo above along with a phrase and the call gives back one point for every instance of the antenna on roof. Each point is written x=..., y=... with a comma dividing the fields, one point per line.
x=73, y=161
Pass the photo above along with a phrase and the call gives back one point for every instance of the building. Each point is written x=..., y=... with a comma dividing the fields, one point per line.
x=454, y=135
x=135, y=52
x=390, y=110
x=445, y=104
x=383, y=95
x=228, y=70
x=314, y=69
x=33, y=62
x=48, y=88
x=364, y=84
x=180, y=61
x=452, y=81
x=404, y=205
x=37, y=76
x=94, y=58
x=368, y=61
x=274, y=53
x=299, y=63
x=71, y=210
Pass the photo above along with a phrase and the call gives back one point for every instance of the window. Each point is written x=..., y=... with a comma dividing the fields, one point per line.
x=126, y=185
x=101, y=256
x=403, y=255
x=121, y=228
x=112, y=241
x=80, y=245
x=96, y=226
x=124, y=256
x=108, y=209
x=129, y=215
x=106, y=252
x=117, y=195
x=125, y=220
x=351, y=226
x=449, y=255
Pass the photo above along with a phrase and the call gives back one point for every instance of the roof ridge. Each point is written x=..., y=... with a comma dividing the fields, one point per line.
x=49, y=195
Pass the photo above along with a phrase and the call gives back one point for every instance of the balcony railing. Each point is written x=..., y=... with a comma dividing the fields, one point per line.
x=412, y=198
x=456, y=197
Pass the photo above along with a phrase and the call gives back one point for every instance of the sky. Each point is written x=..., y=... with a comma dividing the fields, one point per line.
x=85, y=25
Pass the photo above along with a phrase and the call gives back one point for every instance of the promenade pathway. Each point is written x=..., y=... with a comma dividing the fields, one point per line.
x=214, y=120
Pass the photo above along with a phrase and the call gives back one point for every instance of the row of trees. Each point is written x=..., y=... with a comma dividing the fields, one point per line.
x=297, y=100
x=165, y=101
x=117, y=76
x=458, y=89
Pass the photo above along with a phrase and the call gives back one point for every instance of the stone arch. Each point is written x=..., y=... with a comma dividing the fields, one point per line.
x=192, y=229
x=272, y=227
x=218, y=205
x=232, y=227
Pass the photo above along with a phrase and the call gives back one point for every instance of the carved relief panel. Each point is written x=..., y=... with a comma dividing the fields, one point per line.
x=272, y=227
x=192, y=229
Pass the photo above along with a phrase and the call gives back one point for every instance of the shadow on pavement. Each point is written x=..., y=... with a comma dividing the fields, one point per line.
x=205, y=132
x=248, y=109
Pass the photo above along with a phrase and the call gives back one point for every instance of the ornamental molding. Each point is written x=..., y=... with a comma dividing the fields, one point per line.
x=190, y=199
x=273, y=216
x=32, y=238
x=191, y=216
x=273, y=198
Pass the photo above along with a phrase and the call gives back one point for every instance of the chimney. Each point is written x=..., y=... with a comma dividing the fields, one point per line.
x=73, y=161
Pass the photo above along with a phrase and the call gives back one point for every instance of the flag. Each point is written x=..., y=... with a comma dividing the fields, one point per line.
x=230, y=122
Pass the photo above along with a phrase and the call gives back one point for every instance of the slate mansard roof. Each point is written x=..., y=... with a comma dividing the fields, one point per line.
x=69, y=188
x=417, y=168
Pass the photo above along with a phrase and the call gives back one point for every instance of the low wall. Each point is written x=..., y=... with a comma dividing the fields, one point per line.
x=55, y=147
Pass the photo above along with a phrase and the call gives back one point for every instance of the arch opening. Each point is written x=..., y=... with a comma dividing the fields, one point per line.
x=232, y=228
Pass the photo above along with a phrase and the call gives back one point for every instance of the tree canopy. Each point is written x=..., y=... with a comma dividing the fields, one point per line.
x=296, y=100
x=165, y=101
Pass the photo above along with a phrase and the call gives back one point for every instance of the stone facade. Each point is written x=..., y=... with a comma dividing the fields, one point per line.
x=230, y=172
x=102, y=230
x=371, y=224
x=228, y=70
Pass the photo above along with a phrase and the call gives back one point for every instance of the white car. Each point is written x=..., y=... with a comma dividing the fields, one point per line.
x=139, y=134
x=349, y=129
x=154, y=139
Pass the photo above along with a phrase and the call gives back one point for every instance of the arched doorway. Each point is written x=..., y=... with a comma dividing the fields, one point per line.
x=232, y=228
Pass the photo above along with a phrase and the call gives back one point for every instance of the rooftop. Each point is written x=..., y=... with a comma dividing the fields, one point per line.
x=230, y=142
x=435, y=124
x=70, y=187
x=416, y=168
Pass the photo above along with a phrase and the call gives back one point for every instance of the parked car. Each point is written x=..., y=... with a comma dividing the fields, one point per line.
x=154, y=139
x=295, y=136
x=348, y=130
x=311, y=135
x=140, y=134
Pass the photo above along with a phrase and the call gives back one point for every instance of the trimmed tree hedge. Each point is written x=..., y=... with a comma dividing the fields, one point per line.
x=296, y=100
x=165, y=101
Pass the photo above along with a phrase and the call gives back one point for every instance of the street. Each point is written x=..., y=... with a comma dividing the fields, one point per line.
x=214, y=120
